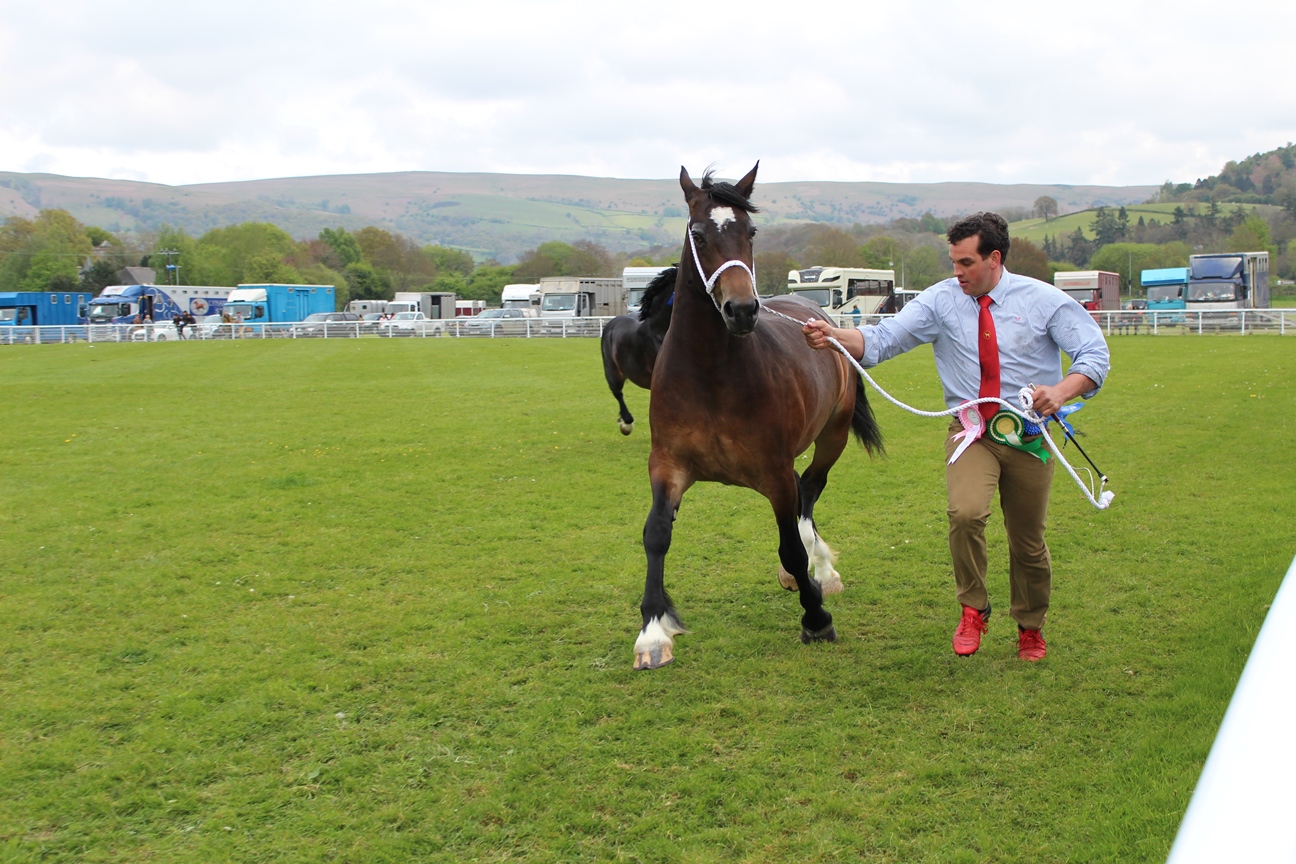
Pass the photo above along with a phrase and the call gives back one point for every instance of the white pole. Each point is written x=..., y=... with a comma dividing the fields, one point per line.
x=1242, y=807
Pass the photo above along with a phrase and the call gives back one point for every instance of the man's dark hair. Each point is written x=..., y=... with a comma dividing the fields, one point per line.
x=990, y=229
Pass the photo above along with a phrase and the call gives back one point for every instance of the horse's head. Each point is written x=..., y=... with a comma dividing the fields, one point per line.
x=720, y=236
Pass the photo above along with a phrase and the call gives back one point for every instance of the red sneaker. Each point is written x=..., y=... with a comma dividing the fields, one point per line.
x=967, y=636
x=1030, y=644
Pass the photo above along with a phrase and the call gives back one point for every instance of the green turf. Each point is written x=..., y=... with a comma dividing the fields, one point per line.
x=364, y=601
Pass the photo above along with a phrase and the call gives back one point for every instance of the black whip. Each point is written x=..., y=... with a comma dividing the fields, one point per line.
x=1071, y=438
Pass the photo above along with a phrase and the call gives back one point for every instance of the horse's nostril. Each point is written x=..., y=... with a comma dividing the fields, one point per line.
x=728, y=309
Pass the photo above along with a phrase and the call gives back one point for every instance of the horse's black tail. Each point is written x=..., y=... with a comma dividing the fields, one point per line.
x=863, y=423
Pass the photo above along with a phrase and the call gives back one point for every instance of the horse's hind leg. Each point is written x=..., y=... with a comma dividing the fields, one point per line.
x=816, y=622
x=811, y=484
x=616, y=383
x=625, y=421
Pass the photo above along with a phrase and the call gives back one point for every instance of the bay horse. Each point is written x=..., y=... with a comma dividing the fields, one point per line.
x=630, y=344
x=736, y=396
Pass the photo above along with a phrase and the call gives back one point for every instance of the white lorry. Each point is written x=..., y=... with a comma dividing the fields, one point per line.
x=436, y=305
x=581, y=297
x=634, y=280
x=524, y=297
x=843, y=290
x=1093, y=289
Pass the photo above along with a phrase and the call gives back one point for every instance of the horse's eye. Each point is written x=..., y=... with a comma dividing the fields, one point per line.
x=751, y=232
x=699, y=236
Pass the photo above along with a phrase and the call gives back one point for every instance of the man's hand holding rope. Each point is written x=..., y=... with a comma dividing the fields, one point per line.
x=817, y=334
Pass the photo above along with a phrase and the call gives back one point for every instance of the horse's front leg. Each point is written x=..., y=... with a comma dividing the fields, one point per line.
x=816, y=622
x=655, y=645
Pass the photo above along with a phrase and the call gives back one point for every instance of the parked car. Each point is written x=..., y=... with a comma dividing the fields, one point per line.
x=327, y=324
x=209, y=327
x=369, y=322
x=496, y=322
x=410, y=324
x=160, y=331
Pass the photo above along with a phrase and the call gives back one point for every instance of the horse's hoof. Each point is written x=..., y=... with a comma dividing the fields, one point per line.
x=626, y=428
x=831, y=585
x=827, y=634
x=787, y=580
x=653, y=658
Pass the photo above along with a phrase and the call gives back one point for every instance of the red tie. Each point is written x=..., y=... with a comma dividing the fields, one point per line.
x=988, y=352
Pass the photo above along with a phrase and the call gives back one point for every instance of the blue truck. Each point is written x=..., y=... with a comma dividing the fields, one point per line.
x=279, y=304
x=20, y=311
x=121, y=304
x=42, y=308
x=1166, y=288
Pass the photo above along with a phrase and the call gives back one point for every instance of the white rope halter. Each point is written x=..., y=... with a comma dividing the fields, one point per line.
x=1098, y=497
x=711, y=280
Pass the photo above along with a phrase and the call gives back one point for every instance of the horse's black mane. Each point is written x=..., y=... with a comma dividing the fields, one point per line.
x=658, y=290
x=726, y=193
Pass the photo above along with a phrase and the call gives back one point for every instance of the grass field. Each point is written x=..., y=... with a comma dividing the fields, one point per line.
x=364, y=601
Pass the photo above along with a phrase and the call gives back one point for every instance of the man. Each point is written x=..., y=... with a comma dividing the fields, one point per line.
x=993, y=333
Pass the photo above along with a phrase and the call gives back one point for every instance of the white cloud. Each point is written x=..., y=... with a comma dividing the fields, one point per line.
x=1119, y=93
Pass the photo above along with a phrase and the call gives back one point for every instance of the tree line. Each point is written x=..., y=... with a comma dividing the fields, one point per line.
x=56, y=252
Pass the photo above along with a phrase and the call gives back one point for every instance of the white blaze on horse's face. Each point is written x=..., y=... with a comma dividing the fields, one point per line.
x=722, y=216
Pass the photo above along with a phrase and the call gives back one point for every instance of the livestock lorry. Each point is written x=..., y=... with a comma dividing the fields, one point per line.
x=20, y=311
x=1228, y=280
x=1165, y=288
x=581, y=297
x=120, y=304
x=523, y=296
x=437, y=305
x=272, y=303
x=634, y=281
x=42, y=308
x=1095, y=290
x=846, y=290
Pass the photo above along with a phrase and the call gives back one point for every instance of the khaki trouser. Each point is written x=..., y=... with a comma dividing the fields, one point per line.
x=1023, y=482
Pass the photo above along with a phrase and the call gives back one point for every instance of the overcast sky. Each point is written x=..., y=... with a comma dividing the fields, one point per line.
x=1015, y=92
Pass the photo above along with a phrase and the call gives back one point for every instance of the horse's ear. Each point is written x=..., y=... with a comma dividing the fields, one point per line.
x=686, y=183
x=746, y=184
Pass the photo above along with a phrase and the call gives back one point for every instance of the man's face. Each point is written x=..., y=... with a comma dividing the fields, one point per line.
x=976, y=275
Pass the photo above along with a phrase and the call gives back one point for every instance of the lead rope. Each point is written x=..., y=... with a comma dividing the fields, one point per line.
x=1100, y=498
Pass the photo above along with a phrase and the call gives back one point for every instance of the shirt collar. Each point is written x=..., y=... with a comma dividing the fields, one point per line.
x=1001, y=288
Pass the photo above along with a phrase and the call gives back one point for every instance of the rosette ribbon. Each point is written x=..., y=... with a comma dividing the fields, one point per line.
x=1010, y=429
x=1060, y=417
x=973, y=428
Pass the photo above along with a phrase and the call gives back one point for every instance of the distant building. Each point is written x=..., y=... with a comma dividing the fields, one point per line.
x=136, y=276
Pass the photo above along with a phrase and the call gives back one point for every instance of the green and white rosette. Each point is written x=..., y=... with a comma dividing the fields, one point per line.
x=1010, y=429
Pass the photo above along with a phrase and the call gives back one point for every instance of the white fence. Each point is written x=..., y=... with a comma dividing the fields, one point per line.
x=1175, y=322
x=454, y=328
x=1133, y=323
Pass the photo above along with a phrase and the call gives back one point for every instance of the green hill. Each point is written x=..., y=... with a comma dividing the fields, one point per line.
x=1035, y=230
x=501, y=215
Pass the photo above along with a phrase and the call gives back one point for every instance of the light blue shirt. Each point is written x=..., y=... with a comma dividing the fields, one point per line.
x=1033, y=321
